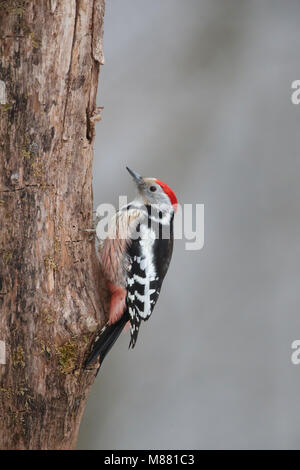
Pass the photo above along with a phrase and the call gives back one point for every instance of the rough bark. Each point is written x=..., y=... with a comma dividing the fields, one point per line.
x=51, y=298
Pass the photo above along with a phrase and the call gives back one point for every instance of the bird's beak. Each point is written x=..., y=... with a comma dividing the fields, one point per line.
x=137, y=178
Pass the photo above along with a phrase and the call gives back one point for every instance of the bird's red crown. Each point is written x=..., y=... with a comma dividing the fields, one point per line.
x=169, y=192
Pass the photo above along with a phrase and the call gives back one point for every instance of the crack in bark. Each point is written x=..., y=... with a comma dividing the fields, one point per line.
x=27, y=186
x=53, y=5
x=93, y=115
x=92, y=35
x=12, y=37
x=70, y=67
x=84, y=183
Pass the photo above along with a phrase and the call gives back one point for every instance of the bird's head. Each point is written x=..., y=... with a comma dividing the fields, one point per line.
x=155, y=192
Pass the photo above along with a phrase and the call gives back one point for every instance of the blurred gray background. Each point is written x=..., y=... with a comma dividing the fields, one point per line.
x=198, y=93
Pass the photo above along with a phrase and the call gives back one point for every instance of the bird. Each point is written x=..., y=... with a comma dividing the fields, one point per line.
x=135, y=257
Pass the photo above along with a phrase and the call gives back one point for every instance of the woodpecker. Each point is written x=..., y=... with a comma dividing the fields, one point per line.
x=135, y=257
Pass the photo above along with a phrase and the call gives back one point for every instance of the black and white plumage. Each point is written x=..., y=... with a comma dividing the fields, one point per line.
x=149, y=256
x=135, y=258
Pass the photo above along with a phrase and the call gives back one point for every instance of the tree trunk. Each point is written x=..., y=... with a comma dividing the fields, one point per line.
x=51, y=297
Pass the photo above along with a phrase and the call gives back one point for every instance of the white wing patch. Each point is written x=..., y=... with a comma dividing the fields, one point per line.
x=146, y=264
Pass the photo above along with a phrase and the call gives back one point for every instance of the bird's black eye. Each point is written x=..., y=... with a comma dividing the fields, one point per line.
x=152, y=188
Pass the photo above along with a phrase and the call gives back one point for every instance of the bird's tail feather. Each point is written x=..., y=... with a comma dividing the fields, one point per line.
x=108, y=336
